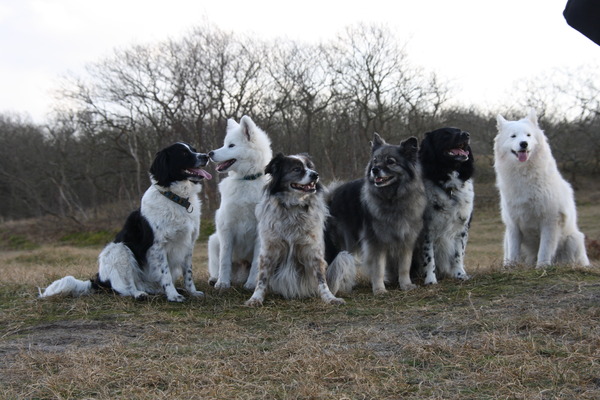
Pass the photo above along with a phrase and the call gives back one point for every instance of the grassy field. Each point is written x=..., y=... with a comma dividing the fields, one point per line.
x=516, y=333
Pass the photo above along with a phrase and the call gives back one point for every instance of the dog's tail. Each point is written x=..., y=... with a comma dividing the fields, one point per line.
x=341, y=273
x=68, y=286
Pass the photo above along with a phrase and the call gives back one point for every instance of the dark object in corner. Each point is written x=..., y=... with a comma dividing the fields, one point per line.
x=584, y=16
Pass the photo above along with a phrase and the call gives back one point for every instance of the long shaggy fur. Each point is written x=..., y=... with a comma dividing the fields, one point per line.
x=291, y=219
x=155, y=246
x=447, y=162
x=233, y=249
x=537, y=204
x=380, y=215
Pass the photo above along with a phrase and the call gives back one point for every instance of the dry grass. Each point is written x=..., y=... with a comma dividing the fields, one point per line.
x=505, y=334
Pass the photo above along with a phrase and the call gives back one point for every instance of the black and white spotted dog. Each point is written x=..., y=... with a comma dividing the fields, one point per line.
x=291, y=218
x=447, y=163
x=155, y=246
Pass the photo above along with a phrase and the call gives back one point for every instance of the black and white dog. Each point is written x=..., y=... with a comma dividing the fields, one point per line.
x=291, y=219
x=155, y=246
x=447, y=162
x=380, y=215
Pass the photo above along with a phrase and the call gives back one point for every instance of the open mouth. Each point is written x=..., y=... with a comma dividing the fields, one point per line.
x=308, y=188
x=460, y=152
x=383, y=180
x=197, y=174
x=225, y=164
x=522, y=155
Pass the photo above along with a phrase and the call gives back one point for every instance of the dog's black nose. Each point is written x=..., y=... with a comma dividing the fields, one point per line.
x=314, y=175
x=211, y=153
x=523, y=145
x=375, y=170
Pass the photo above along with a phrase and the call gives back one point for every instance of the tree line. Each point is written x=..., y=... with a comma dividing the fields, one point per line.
x=325, y=99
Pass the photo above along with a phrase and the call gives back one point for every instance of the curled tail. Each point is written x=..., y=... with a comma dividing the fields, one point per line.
x=341, y=273
x=68, y=286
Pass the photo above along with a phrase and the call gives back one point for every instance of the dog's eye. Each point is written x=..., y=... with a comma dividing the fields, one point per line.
x=231, y=145
x=513, y=136
x=390, y=161
x=297, y=169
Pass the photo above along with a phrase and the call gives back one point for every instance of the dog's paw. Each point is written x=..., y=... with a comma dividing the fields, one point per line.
x=220, y=286
x=250, y=286
x=407, y=286
x=379, y=291
x=141, y=296
x=176, y=299
x=252, y=302
x=430, y=280
x=212, y=281
x=336, y=301
x=461, y=275
x=196, y=293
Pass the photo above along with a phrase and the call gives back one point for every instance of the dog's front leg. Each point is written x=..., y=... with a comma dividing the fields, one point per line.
x=428, y=261
x=188, y=278
x=405, y=259
x=158, y=264
x=252, y=276
x=548, y=244
x=267, y=265
x=457, y=269
x=324, y=292
x=225, y=259
x=512, y=245
x=376, y=260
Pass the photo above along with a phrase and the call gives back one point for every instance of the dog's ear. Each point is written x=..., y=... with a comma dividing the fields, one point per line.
x=410, y=148
x=308, y=160
x=273, y=169
x=273, y=166
x=500, y=121
x=248, y=127
x=426, y=147
x=160, y=168
x=377, y=141
x=231, y=124
x=410, y=145
x=532, y=116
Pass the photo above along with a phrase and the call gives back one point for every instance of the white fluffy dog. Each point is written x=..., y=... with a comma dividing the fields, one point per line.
x=537, y=204
x=233, y=249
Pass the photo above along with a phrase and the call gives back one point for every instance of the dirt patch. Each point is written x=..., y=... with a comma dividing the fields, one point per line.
x=65, y=336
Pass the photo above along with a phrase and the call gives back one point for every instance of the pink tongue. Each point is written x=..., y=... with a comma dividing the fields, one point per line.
x=201, y=172
x=522, y=156
x=460, y=152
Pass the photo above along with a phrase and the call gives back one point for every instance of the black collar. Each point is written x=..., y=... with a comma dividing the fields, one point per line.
x=252, y=177
x=182, y=201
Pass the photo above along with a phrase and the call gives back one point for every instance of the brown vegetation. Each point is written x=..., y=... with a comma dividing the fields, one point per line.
x=515, y=333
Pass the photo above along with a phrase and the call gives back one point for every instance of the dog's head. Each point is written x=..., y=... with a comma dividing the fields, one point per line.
x=518, y=140
x=246, y=148
x=444, y=151
x=293, y=174
x=178, y=162
x=392, y=164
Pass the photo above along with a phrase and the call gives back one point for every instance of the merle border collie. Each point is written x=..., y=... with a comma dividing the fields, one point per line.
x=291, y=220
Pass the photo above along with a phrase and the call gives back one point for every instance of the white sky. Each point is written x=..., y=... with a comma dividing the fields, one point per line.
x=481, y=46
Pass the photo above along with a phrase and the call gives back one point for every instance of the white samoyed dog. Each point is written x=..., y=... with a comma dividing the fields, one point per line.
x=537, y=204
x=234, y=248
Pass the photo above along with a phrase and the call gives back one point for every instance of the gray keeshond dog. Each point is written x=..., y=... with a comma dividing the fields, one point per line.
x=380, y=215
